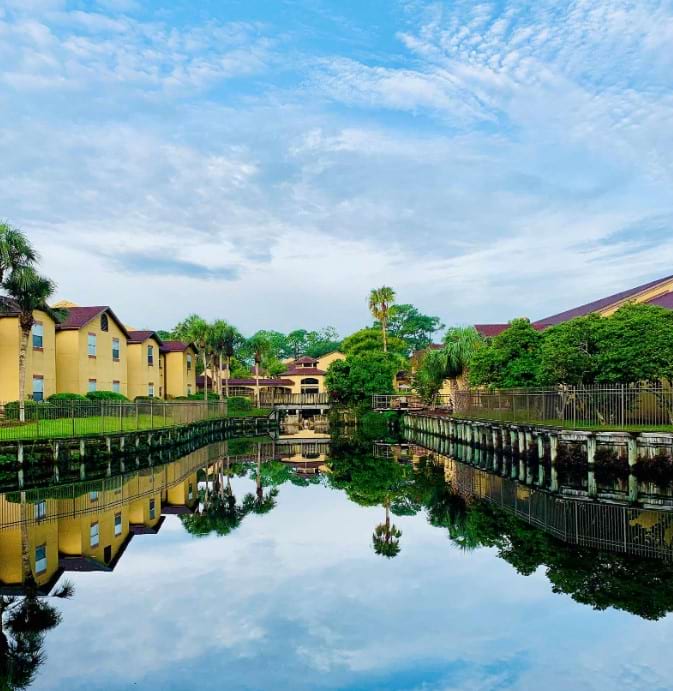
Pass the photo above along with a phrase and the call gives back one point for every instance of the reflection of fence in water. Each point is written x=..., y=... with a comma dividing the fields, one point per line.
x=635, y=531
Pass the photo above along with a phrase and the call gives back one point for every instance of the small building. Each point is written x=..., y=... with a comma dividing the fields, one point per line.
x=145, y=365
x=40, y=355
x=306, y=376
x=91, y=350
x=179, y=365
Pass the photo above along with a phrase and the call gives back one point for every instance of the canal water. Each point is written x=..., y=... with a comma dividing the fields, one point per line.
x=334, y=567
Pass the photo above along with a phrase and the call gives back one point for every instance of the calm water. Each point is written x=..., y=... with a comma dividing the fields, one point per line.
x=292, y=593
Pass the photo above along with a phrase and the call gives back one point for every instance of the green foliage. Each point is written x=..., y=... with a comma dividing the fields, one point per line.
x=55, y=397
x=407, y=323
x=239, y=404
x=510, y=360
x=360, y=376
x=105, y=396
x=430, y=375
x=370, y=340
x=34, y=410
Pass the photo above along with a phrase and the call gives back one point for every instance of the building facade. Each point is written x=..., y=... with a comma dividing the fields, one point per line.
x=145, y=365
x=179, y=367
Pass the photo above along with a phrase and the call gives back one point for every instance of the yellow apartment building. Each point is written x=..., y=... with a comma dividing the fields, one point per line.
x=145, y=365
x=179, y=368
x=40, y=356
x=91, y=351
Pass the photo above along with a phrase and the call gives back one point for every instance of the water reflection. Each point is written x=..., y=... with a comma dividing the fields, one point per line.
x=252, y=506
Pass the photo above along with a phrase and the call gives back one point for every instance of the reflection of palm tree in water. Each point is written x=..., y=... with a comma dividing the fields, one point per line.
x=24, y=622
x=260, y=503
x=386, y=536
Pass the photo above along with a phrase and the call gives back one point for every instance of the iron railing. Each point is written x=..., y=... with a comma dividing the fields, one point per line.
x=63, y=419
x=617, y=406
x=409, y=402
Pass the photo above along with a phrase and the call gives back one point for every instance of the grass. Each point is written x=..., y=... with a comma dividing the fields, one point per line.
x=571, y=425
x=87, y=426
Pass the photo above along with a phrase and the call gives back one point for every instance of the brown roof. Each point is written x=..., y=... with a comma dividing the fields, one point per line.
x=142, y=336
x=8, y=307
x=491, y=330
x=78, y=317
x=305, y=360
x=303, y=371
x=249, y=382
x=598, y=305
x=176, y=347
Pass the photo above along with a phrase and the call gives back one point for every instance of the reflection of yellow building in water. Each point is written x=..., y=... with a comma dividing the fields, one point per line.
x=86, y=526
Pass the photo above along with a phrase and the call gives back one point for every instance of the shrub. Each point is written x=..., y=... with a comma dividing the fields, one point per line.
x=212, y=396
x=33, y=410
x=66, y=397
x=239, y=403
x=106, y=396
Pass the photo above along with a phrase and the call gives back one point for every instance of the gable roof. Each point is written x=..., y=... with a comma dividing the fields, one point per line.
x=305, y=360
x=78, y=317
x=142, y=336
x=177, y=347
x=302, y=371
x=603, y=303
x=10, y=308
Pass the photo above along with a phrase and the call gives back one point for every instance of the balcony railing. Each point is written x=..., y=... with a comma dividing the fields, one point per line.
x=270, y=398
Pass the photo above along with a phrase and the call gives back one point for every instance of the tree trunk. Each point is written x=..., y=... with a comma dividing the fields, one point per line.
x=26, y=571
x=219, y=378
x=205, y=376
x=23, y=349
x=227, y=374
x=384, y=328
x=257, y=382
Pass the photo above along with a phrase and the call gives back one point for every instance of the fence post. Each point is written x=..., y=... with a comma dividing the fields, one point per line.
x=164, y=414
x=121, y=422
x=72, y=410
x=151, y=414
x=137, y=417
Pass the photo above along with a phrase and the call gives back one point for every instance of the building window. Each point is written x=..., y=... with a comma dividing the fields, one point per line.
x=150, y=390
x=118, y=524
x=94, y=535
x=153, y=511
x=38, y=335
x=40, y=510
x=189, y=362
x=92, y=385
x=91, y=345
x=104, y=324
x=150, y=356
x=93, y=496
x=38, y=388
x=115, y=349
x=41, y=558
x=116, y=386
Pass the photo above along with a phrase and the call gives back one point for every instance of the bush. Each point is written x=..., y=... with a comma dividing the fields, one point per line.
x=212, y=396
x=239, y=403
x=33, y=409
x=66, y=397
x=106, y=396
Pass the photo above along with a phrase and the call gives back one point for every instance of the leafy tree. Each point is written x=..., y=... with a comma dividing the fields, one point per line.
x=409, y=324
x=430, y=375
x=386, y=536
x=224, y=340
x=570, y=352
x=31, y=292
x=297, y=342
x=511, y=359
x=380, y=302
x=319, y=343
x=370, y=340
x=360, y=376
x=195, y=329
x=261, y=347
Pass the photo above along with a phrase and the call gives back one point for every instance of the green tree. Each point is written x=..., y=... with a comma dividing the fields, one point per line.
x=195, y=329
x=321, y=342
x=260, y=346
x=16, y=251
x=409, y=324
x=370, y=340
x=360, y=376
x=30, y=292
x=386, y=536
x=380, y=301
x=224, y=340
x=511, y=359
x=297, y=342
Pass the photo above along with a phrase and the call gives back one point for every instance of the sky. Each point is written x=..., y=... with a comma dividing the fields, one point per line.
x=269, y=162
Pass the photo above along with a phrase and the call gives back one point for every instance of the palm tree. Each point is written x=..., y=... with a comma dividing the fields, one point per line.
x=386, y=536
x=260, y=346
x=223, y=339
x=196, y=329
x=460, y=344
x=380, y=302
x=16, y=252
x=31, y=292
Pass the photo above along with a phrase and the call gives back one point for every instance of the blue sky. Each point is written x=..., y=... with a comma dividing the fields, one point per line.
x=269, y=162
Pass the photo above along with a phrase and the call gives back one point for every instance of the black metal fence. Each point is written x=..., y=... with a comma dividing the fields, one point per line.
x=619, y=406
x=61, y=419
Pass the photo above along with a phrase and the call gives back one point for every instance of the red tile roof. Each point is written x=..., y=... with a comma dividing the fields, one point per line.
x=142, y=336
x=665, y=300
x=249, y=382
x=176, y=347
x=598, y=305
x=305, y=360
x=303, y=371
x=78, y=317
x=490, y=330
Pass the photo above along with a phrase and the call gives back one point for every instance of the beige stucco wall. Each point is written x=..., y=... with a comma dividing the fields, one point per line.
x=74, y=367
x=177, y=377
x=326, y=360
x=140, y=373
x=38, y=362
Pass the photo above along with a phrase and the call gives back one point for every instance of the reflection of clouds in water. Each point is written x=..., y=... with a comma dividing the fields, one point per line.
x=297, y=599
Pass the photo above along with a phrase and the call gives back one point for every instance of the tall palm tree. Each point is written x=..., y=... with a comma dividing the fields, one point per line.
x=460, y=344
x=386, y=536
x=380, y=301
x=16, y=252
x=197, y=330
x=260, y=346
x=31, y=292
x=223, y=338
